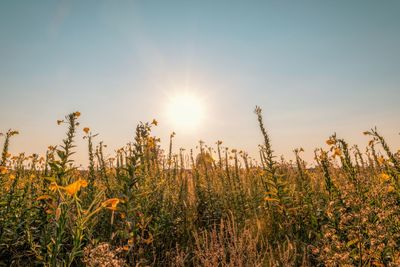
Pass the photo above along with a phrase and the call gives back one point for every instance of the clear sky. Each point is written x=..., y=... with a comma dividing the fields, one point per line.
x=315, y=67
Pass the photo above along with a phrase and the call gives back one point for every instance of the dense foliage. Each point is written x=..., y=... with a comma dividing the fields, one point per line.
x=146, y=206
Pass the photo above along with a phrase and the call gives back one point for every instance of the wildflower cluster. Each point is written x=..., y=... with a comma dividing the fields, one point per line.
x=209, y=206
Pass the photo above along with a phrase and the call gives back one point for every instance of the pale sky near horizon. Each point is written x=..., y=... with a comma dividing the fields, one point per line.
x=315, y=67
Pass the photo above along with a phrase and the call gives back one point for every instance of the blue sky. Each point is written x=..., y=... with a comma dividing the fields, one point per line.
x=315, y=67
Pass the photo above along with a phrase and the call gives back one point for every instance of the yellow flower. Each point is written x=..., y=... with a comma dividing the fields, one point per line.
x=384, y=177
x=381, y=160
x=337, y=152
x=154, y=122
x=12, y=177
x=32, y=176
x=3, y=170
x=77, y=114
x=53, y=186
x=390, y=189
x=86, y=130
x=73, y=188
x=111, y=203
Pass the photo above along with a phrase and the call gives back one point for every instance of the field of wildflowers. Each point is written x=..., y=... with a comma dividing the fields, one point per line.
x=211, y=207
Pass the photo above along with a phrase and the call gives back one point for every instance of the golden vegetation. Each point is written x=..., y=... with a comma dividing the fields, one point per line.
x=146, y=206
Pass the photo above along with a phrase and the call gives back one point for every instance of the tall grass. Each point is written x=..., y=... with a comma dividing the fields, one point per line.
x=211, y=207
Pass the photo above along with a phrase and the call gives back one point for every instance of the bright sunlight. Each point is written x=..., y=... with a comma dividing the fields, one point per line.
x=185, y=111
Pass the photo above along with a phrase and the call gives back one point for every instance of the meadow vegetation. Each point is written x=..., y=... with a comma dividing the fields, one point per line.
x=213, y=206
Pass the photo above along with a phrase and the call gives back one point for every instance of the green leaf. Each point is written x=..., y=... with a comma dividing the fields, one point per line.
x=61, y=154
x=352, y=242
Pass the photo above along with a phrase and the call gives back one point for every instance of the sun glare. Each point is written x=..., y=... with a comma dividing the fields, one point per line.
x=185, y=111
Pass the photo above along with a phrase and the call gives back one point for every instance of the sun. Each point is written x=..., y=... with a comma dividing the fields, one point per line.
x=185, y=111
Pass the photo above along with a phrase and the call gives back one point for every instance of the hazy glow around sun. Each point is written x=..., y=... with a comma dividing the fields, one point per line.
x=185, y=111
